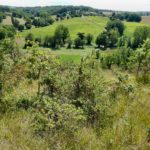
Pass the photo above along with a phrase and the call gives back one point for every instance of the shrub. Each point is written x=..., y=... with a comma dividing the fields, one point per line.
x=38, y=40
x=24, y=103
x=2, y=33
x=53, y=116
x=102, y=40
x=21, y=27
x=29, y=37
x=28, y=26
x=61, y=34
x=7, y=31
x=78, y=43
x=69, y=43
x=89, y=39
x=132, y=17
x=140, y=34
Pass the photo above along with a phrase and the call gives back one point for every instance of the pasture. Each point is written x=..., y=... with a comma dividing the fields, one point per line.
x=92, y=24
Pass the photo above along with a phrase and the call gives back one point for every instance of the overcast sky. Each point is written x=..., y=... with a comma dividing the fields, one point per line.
x=131, y=5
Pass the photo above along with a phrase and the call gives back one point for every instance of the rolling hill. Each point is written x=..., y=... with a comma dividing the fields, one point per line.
x=92, y=24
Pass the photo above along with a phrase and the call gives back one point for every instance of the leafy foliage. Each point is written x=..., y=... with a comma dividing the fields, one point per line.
x=140, y=34
x=115, y=24
x=54, y=117
x=131, y=17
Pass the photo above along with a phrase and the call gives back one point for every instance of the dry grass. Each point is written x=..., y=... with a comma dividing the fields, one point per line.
x=16, y=133
x=7, y=21
x=146, y=19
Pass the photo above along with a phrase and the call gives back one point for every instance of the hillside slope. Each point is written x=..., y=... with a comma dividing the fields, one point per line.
x=92, y=24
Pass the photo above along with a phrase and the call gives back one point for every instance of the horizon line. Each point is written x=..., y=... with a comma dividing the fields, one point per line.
x=34, y=6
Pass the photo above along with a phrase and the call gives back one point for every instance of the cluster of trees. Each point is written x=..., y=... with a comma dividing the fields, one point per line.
x=41, y=16
x=112, y=36
x=77, y=13
x=136, y=61
x=17, y=14
x=131, y=17
x=19, y=26
x=15, y=22
x=7, y=31
x=140, y=35
x=70, y=14
x=109, y=38
x=43, y=20
x=60, y=38
x=82, y=40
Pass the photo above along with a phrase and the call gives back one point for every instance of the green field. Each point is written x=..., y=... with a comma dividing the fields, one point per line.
x=92, y=24
x=67, y=55
x=75, y=55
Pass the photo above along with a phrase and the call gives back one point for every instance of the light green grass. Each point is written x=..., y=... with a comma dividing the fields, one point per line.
x=70, y=58
x=81, y=52
x=74, y=55
x=92, y=24
x=131, y=26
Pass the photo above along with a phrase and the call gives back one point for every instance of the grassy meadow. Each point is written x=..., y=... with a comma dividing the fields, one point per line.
x=92, y=24
x=72, y=54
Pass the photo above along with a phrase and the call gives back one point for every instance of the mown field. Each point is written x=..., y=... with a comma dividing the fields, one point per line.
x=146, y=19
x=7, y=21
x=92, y=24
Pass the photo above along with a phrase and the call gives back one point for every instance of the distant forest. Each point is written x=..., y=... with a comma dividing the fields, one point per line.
x=45, y=16
x=55, y=10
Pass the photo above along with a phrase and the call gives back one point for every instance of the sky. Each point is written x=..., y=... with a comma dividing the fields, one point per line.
x=127, y=5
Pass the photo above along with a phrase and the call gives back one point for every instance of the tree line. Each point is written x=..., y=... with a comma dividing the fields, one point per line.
x=128, y=16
